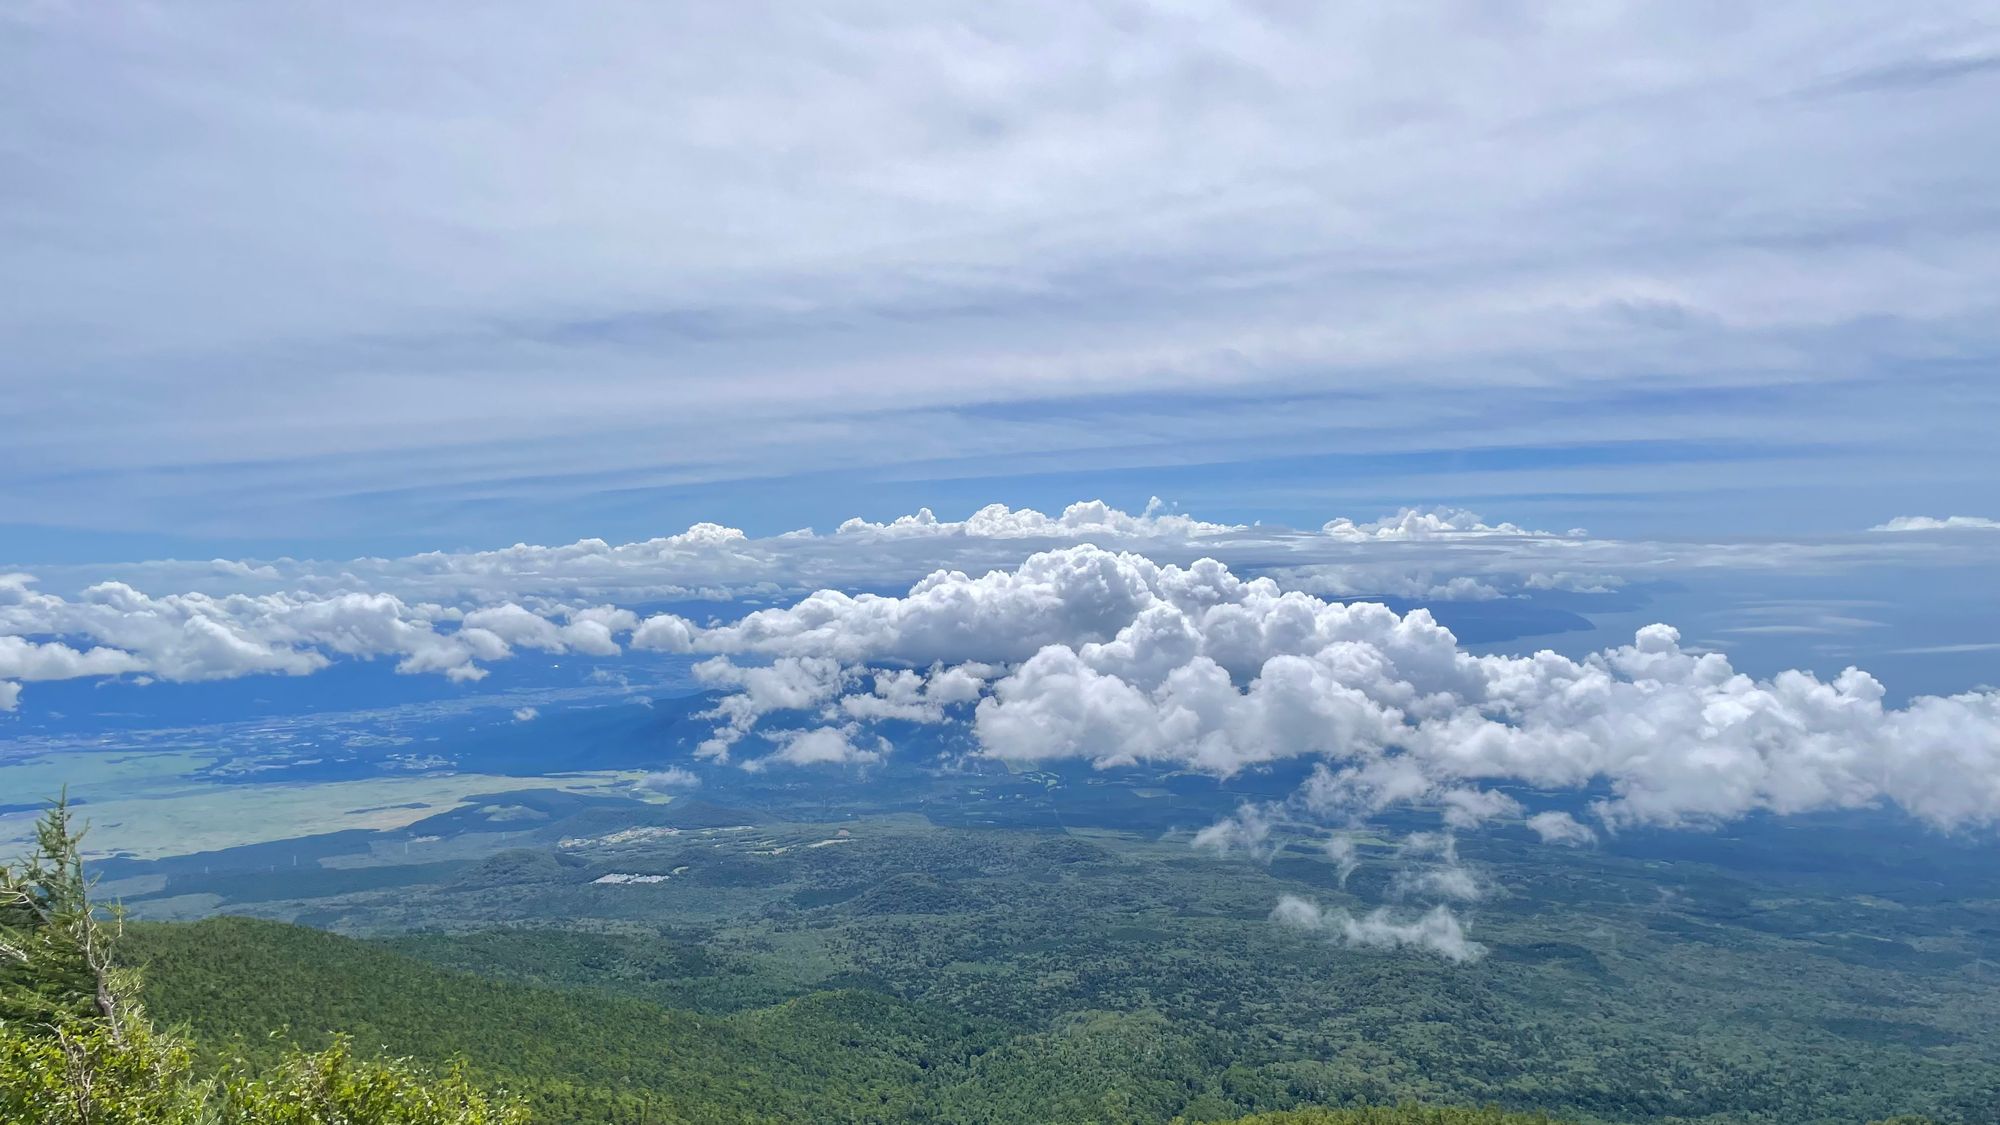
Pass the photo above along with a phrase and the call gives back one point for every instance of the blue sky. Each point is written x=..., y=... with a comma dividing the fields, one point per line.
x=339, y=281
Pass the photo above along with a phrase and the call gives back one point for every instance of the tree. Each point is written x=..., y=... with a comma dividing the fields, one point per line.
x=76, y=1047
x=55, y=952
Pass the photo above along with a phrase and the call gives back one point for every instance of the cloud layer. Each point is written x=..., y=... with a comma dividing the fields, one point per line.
x=950, y=241
x=452, y=613
x=1111, y=658
x=1087, y=642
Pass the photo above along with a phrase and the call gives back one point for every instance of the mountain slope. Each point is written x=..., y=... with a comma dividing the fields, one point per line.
x=574, y=1055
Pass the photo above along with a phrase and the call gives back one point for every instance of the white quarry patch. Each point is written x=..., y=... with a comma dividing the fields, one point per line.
x=835, y=840
x=623, y=836
x=622, y=878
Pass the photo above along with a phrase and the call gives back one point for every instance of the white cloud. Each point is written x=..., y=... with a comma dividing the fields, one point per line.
x=1575, y=583
x=26, y=660
x=1248, y=830
x=1457, y=556
x=789, y=683
x=1470, y=808
x=1434, y=523
x=526, y=714
x=901, y=693
x=876, y=255
x=1296, y=913
x=820, y=746
x=238, y=569
x=1948, y=650
x=1932, y=523
x=1561, y=828
x=1003, y=616
x=1110, y=655
x=10, y=695
x=1432, y=870
x=671, y=779
x=1438, y=882
x=1116, y=659
x=1437, y=930
x=1345, y=856
x=1346, y=580
x=664, y=632
x=199, y=636
x=1085, y=519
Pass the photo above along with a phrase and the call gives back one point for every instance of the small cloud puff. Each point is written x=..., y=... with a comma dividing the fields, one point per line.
x=1437, y=930
x=671, y=779
x=820, y=746
x=1561, y=828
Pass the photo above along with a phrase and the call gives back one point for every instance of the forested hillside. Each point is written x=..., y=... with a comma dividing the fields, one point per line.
x=871, y=992
x=588, y=1055
x=574, y=1056
x=1770, y=975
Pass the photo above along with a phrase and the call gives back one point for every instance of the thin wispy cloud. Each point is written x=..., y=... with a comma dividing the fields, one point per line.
x=350, y=276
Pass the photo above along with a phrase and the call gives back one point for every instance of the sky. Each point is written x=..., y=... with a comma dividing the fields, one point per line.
x=1130, y=382
x=335, y=281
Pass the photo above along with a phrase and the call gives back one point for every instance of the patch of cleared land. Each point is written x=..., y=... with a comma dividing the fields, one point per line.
x=164, y=820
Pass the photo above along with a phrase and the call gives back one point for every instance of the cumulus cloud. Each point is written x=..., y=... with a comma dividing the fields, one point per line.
x=902, y=693
x=1086, y=519
x=1346, y=580
x=26, y=660
x=450, y=613
x=1465, y=807
x=1250, y=831
x=787, y=684
x=1574, y=583
x=672, y=779
x=1432, y=523
x=1148, y=639
x=821, y=746
x=199, y=636
x=664, y=632
x=237, y=568
x=1455, y=555
x=1555, y=827
x=1003, y=616
x=1437, y=930
x=1933, y=523
x=1114, y=659
x=526, y=714
x=587, y=630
